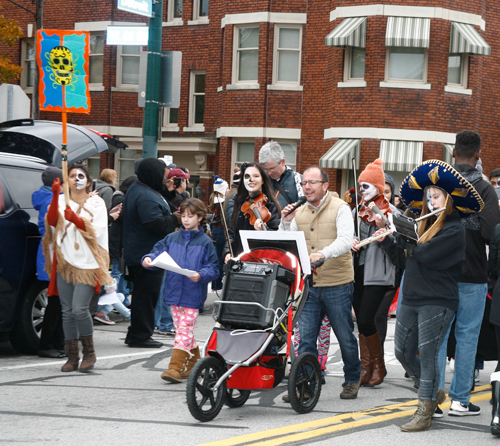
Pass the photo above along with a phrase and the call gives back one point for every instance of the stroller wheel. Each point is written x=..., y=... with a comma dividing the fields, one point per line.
x=304, y=383
x=236, y=398
x=203, y=403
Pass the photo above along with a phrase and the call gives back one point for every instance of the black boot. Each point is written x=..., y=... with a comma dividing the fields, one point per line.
x=495, y=416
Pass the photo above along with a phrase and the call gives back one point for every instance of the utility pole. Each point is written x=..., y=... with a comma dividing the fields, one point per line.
x=35, y=103
x=152, y=108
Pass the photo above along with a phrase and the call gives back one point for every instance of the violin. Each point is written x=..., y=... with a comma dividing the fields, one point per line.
x=255, y=209
x=367, y=215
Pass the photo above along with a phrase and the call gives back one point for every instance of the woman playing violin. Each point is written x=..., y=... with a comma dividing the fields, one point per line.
x=253, y=206
x=374, y=274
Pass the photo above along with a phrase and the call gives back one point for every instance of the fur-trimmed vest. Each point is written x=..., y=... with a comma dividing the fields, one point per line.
x=320, y=229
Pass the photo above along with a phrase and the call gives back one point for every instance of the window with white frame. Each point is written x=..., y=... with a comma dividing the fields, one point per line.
x=125, y=165
x=458, y=65
x=174, y=10
x=354, y=66
x=128, y=61
x=290, y=150
x=197, y=99
x=94, y=166
x=406, y=64
x=96, y=58
x=287, y=54
x=200, y=9
x=243, y=152
x=28, y=63
x=246, y=54
x=171, y=118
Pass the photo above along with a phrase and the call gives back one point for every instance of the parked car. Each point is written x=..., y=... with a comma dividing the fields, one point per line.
x=27, y=147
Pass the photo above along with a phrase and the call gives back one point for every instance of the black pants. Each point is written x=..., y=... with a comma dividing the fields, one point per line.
x=147, y=286
x=383, y=313
x=52, y=336
x=367, y=300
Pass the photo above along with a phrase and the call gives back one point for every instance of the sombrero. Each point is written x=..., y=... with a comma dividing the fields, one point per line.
x=440, y=174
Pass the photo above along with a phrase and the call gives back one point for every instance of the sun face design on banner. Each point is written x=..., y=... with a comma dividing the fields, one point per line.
x=63, y=61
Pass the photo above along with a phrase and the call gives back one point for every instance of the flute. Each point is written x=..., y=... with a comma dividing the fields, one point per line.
x=368, y=240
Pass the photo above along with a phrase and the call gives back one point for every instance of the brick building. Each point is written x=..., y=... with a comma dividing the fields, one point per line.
x=329, y=80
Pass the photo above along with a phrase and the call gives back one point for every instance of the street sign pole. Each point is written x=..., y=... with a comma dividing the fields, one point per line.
x=151, y=110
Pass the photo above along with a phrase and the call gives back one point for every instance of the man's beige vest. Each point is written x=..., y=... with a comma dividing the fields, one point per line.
x=320, y=229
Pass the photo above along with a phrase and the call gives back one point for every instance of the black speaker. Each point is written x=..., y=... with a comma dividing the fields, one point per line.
x=245, y=282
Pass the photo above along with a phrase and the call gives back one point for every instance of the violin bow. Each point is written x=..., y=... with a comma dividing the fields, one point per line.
x=353, y=161
x=224, y=222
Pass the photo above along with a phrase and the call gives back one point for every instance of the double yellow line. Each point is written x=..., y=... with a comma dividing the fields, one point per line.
x=306, y=431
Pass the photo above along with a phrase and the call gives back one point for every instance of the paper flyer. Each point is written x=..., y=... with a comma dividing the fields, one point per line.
x=164, y=261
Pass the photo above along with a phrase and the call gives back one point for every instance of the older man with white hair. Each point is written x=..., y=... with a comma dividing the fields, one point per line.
x=286, y=182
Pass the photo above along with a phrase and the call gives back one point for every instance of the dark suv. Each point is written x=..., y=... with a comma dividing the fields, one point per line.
x=27, y=147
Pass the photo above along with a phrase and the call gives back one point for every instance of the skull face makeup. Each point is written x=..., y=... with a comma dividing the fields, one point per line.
x=252, y=179
x=368, y=190
x=81, y=179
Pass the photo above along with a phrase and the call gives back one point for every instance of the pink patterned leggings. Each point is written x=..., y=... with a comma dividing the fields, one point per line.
x=184, y=321
x=323, y=341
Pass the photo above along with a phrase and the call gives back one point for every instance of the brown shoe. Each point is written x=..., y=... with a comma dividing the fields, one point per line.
x=177, y=366
x=366, y=365
x=377, y=359
x=195, y=352
x=421, y=420
x=73, y=356
x=350, y=391
x=88, y=351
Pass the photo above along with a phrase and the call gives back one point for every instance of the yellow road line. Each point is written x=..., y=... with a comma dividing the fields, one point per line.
x=324, y=426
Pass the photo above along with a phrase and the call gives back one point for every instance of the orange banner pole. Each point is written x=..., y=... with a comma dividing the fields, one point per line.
x=64, y=154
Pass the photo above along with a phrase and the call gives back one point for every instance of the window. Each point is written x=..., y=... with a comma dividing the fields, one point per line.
x=175, y=10
x=287, y=54
x=197, y=99
x=458, y=64
x=128, y=57
x=126, y=159
x=94, y=166
x=246, y=57
x=290, y=150
x=243, y=151
x=200, y=9
x=171, y=119
x=96, y=58
x=28, y=63
x=354, y=68
x=406, y=64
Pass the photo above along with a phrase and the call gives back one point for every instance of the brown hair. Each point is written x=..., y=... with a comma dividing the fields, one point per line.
x=429, y=227
x=196, y=207
x=109, y=176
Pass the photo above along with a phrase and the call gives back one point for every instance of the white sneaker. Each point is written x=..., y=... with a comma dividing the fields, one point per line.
x=476, y=376
x=452, y=364
x=458, y=409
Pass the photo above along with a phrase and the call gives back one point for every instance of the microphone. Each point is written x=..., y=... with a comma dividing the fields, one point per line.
x=375, y=209
x=299, y=203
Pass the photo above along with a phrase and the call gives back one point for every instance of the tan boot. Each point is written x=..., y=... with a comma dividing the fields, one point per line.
x=73, y=356
x=177, y=366
x=196, y=355
x=377, y=359
x=422, y=418
x=366, y=365
x=88, y=351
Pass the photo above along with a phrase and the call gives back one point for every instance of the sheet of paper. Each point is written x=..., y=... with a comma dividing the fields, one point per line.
x=164, y=261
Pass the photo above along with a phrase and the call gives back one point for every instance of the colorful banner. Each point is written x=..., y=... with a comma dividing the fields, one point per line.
x=63, y=61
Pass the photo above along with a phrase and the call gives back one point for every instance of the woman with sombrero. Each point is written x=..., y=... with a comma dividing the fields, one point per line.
x=432, y=268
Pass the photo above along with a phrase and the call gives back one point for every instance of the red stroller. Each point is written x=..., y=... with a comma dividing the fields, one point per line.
x=262, y=297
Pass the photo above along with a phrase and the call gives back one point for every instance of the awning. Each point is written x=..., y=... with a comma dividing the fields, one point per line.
x=448, y=153
x=465, y=39
x=401, y=156
x=351, y=32
x=408, y=32
x=341, y=154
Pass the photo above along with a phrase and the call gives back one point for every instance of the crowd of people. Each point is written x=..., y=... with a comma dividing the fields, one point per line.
x=441, y=272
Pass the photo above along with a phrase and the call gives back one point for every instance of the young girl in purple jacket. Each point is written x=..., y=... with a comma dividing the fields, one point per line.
x=191, y=248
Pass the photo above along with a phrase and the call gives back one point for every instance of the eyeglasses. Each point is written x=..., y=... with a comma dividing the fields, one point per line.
x=272, y=168
x=311, y=182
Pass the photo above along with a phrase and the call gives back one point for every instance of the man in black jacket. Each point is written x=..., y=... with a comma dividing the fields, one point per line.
x=473, y=281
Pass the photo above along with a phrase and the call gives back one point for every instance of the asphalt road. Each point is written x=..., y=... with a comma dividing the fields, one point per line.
x=124, y=402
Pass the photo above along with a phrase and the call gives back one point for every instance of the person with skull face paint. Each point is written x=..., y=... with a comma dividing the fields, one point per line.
x=77, y=260
x=255, y=181
x=374, y=276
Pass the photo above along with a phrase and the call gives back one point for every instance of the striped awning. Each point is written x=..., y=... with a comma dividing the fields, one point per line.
x=351, y=32
x=408, y=32
x=448, y=153
x=465, y=39
x=341, y=154
x=401, y=156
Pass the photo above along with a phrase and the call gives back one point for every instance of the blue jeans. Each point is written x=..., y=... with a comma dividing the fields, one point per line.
x=472, y=299
x=336, y=303
x=163, y=316
x=120, y=280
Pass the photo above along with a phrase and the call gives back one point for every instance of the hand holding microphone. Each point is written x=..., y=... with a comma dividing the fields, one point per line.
x=299, y=203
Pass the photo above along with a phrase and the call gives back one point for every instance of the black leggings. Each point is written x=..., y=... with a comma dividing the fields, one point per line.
x=497, y=335
x=367, y=299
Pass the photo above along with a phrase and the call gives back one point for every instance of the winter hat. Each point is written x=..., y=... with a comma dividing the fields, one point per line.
x=374, y=174
x=350, y=198
x=178, y=173
x=220, y=186
x=50, y=174
x=237, y=177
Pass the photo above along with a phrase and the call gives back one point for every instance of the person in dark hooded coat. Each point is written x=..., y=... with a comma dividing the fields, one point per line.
x=146, y=220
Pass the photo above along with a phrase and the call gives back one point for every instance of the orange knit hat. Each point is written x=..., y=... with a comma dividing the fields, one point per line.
x=374, y=174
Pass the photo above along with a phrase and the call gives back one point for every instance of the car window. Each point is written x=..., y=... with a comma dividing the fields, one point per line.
x=25, y=144
x=21, y=183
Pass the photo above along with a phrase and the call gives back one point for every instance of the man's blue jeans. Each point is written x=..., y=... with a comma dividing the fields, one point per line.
x=336, y=303
x=469, y=317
